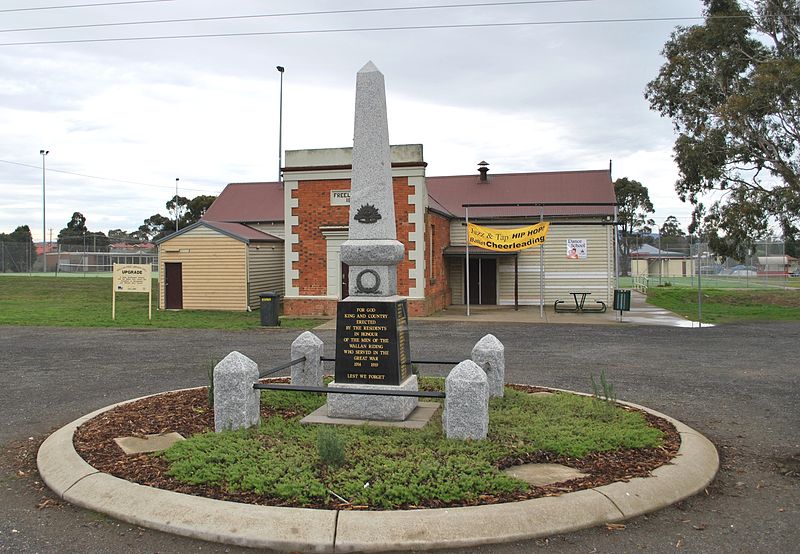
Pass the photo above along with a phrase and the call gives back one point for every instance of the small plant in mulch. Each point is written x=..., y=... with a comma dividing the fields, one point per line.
x=286, y=463
x=210, y=375
x=330, y=447
x=605, y=391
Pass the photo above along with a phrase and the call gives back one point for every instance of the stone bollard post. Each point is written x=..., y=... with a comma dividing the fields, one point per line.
x=489, y=354
x=466, y=404
x=236, y=403
x=309, y=373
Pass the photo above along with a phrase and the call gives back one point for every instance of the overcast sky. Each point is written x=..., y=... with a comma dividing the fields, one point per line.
x=138, y=114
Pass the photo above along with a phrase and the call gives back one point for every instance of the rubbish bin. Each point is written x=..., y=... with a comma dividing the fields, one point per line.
x=622, y=300
x=270, y=308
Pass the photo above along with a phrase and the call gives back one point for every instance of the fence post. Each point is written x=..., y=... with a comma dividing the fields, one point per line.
x=310, y=372
x=489, y=354
x=236, y=402
x=466, y=403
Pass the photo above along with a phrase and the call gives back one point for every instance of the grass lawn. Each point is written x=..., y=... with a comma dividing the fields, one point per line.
x=729, y=305
x=86, y=302
x=721, y=282
x=388, y=468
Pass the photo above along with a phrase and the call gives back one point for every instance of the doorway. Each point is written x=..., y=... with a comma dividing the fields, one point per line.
x=482, y=281
x=173, y=286
x=345, y=281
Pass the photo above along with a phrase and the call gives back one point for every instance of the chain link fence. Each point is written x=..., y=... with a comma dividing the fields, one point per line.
x=73, y=259
x=16, y=257
x=680, y=261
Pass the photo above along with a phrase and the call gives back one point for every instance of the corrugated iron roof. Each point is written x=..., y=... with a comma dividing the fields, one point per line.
x=248, y=203
x=263, y=202
x=449, y=193
x=238, y=230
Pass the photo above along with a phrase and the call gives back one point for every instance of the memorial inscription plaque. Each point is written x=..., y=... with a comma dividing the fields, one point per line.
x=372, y=343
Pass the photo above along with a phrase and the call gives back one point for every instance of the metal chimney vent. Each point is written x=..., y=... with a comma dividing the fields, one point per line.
x=483, y=169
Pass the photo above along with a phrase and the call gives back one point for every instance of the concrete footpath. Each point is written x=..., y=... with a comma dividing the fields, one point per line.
x=641, y=313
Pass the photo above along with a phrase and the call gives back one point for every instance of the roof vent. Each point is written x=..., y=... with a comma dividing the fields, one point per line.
x=483, y=169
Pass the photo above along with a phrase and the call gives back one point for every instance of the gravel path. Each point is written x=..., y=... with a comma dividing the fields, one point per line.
x=738, y=384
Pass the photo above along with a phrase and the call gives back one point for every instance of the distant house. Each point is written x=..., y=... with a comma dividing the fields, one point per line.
x=776, y=265
x=650, y=261
x=306, y=219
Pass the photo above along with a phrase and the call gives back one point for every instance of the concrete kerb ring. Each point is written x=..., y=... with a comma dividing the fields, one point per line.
x=72, y=479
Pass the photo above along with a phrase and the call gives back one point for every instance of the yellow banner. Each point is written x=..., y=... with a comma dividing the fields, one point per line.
x=507, y=240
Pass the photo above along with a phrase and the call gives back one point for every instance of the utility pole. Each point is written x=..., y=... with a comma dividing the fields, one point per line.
x=280, y=69
x=176, y=204
x=44, y=224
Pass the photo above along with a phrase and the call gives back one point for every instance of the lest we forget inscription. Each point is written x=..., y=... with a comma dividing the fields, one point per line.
x=372, y=343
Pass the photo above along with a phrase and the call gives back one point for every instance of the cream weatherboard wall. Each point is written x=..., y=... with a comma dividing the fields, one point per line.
x=276, y=229
x=593, y=274
x=455, y=276
x=265, y=270
x=213, y=268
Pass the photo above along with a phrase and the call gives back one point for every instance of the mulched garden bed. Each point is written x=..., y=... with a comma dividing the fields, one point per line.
x=187, y=412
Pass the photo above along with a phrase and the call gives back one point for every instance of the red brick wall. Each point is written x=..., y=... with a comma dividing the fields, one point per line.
x=309, y=306
x=437, y=287
x=314, y=210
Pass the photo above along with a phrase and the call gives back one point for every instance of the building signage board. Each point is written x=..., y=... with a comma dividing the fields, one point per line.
x=507, y=240
x=372, y=343
x=132, y=278
x=340, y=198
x=577, y=249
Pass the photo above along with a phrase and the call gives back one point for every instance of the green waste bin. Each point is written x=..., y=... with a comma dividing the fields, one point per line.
x=622, y=300
x=270, y=309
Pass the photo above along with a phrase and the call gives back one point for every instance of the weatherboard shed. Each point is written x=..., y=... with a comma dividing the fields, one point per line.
x=215, y=265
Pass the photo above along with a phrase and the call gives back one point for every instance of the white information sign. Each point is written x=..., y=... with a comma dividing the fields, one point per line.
x=132, y=278
x=576, y=249
x=340, y=198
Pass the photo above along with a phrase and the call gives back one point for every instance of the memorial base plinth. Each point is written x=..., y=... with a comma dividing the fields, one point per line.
x=388, y=408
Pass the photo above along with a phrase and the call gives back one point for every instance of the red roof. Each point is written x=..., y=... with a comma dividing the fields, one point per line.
x=263, y=202
x=447, y=194
x=242, y=231
x=248, y=203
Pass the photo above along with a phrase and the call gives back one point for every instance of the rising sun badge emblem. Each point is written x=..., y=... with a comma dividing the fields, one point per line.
x=367, y=214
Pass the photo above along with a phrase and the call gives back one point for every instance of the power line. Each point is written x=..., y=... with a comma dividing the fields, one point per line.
x=42, y=8
x=365, y=29
x=294, y=14
x=49, y=169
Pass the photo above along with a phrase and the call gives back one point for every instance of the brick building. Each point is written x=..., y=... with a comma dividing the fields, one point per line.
x=309, y=212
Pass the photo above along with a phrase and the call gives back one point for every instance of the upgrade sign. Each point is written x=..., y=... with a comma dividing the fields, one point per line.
x=507, y=240
x=132, y=278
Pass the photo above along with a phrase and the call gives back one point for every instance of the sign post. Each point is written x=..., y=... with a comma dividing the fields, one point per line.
x=132, y=278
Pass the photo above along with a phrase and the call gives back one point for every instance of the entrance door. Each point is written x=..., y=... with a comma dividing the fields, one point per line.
x=482, y=281
x=173, y=286
x=345, y=280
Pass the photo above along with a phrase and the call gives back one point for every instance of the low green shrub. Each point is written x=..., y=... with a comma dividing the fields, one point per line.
x=387, y=468
x=330, y=447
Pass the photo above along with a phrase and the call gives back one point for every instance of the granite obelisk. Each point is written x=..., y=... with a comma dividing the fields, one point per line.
x=372, y=250
x=372, y=348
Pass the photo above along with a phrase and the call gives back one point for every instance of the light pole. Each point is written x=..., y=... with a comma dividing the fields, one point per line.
x=176, y=203
x=44, y=225
x=280, y=69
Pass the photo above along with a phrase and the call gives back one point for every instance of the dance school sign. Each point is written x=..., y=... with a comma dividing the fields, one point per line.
x=507, y=240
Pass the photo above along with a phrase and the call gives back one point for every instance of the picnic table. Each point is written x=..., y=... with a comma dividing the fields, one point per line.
x=580, y=299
